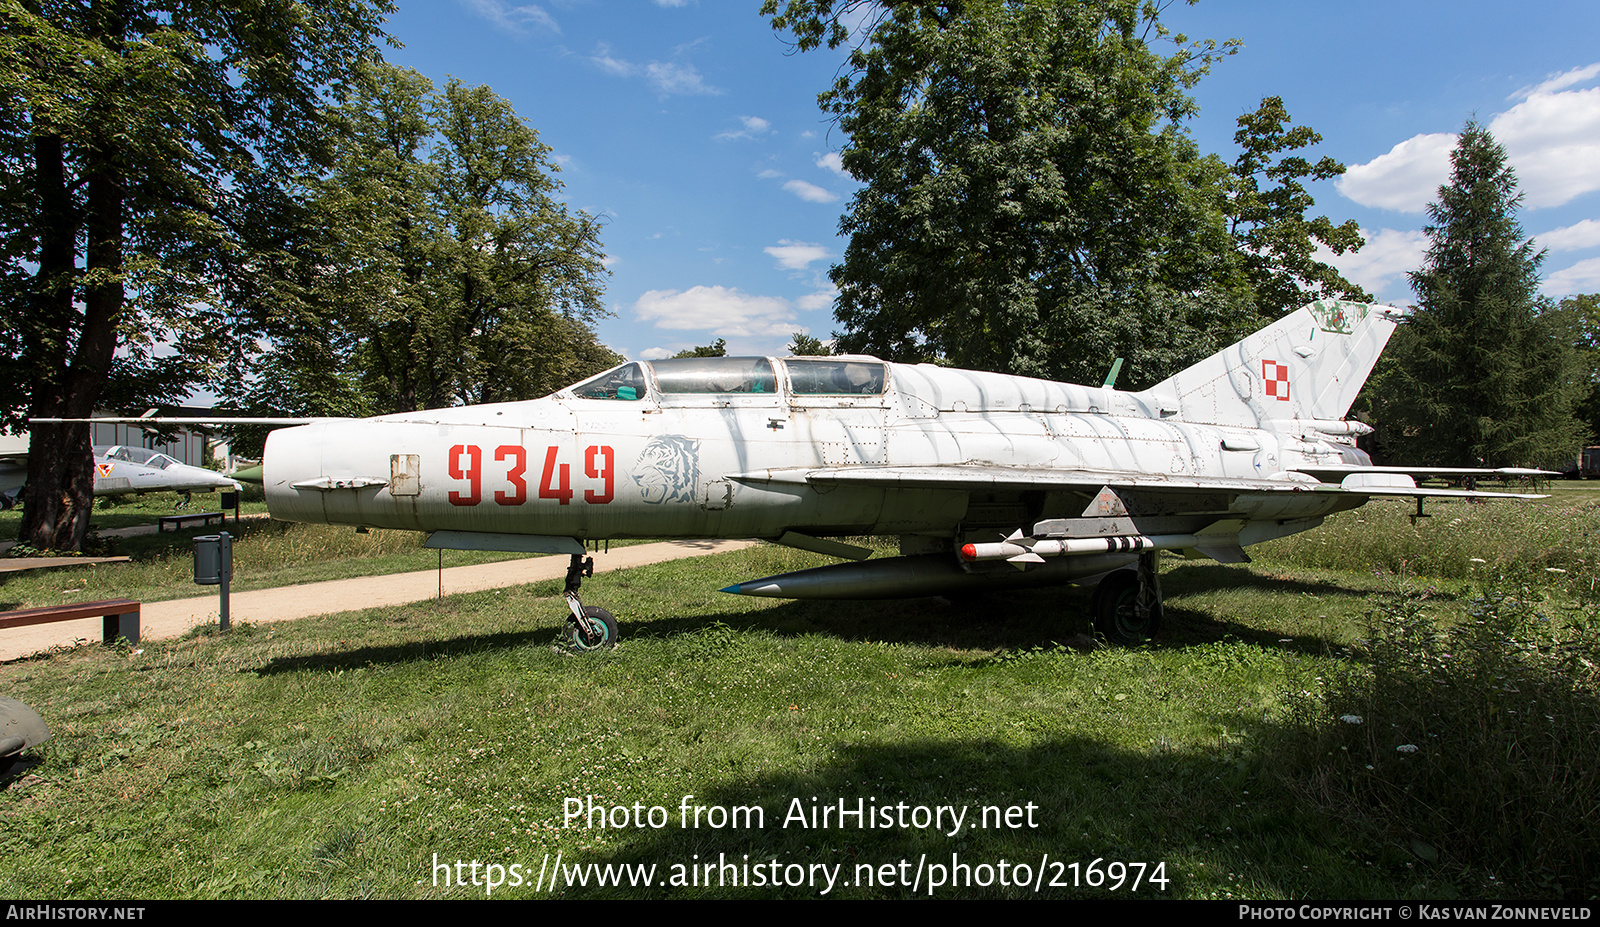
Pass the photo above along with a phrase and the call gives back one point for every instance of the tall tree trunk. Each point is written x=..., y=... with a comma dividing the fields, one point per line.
x=60, y=492
x=46, y=514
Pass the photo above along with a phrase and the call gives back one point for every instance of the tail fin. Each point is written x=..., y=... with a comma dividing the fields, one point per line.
x=1308, y=365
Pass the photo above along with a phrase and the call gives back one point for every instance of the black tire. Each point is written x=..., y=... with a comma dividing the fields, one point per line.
x=602, y=630
x=1115, y=615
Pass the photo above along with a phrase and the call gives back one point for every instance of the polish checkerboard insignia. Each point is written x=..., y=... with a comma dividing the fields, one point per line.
x=1276, y=378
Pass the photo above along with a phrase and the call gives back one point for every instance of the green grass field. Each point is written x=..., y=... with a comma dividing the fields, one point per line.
x=354, y=755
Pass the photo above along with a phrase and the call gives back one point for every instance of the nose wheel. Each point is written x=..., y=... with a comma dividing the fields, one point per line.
x=588, y=627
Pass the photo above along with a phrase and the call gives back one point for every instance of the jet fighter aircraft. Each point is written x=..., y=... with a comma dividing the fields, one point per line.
x=989, y=481
x=122, y=469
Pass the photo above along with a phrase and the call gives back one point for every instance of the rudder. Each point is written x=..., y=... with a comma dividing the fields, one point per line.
x=1308, y=365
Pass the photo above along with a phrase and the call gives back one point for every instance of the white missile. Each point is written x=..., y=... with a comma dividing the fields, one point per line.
x=1021, y=551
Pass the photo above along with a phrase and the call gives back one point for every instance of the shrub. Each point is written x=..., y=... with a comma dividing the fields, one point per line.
x=1477, y=745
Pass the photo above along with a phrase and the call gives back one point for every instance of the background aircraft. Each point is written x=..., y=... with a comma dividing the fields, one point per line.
x=119, y=470
x=988, y=480
x=123, y=468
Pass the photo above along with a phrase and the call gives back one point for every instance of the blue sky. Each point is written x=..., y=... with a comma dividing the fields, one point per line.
x=691, y=130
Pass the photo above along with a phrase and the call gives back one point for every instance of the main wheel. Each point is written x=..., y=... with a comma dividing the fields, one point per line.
x=600, y=633
x=1116, y=615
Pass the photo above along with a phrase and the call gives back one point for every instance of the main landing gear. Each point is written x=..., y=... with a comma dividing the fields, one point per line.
x=588, y=627
x=1127, y=603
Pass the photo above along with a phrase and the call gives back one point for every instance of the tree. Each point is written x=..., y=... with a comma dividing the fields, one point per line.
x=804, y=345
x=526, y=274
x=438, y=268
x=1033, y=203
x=718, y=348
x=1477, y=376
x=142, y=140
x=1275, y=239
x=1578, y=320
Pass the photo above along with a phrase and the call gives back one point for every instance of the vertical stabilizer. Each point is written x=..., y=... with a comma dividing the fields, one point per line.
x=1308, y=365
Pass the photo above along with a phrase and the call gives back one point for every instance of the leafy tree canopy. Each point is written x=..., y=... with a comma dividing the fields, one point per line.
x=1032, y=202
x=805, y=345
x=142, y=143
x=1577, y=318
x=718, y=348
x=1267, y=204
x=434, y=265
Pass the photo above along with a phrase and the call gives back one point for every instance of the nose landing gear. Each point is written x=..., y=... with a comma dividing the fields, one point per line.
x=589, y=627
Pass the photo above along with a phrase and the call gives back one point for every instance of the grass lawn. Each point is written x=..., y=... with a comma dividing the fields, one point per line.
x=354, y=755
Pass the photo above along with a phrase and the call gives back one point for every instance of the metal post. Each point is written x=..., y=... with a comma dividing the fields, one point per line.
x=227, y=574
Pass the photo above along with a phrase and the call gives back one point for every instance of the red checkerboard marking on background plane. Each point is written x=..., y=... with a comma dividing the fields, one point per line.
x=1276, y=376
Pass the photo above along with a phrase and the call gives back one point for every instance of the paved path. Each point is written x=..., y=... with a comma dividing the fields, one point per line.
x=28, y=563
x=175, y=617
x=18, y=564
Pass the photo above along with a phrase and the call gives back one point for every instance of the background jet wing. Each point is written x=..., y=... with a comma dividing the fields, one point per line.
x=215, y=422
x=1340, y=471
x=988, y=477
x=1368, y=482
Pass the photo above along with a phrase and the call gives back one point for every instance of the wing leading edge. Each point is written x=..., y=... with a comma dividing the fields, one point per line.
x=1374, y=482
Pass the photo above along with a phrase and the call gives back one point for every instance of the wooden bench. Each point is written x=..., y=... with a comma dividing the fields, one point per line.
x=121, y=617
x=204, y=518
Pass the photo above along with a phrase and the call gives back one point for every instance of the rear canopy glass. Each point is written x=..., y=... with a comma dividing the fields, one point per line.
x=715, y=375
x=834, y=377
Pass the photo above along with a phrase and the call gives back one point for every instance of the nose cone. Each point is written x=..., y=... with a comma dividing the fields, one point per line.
x=333, y=472
x=200, y=476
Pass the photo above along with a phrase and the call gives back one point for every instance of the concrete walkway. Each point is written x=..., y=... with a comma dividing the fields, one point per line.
x=173, y=618
x=9, y=565
x=28, y=563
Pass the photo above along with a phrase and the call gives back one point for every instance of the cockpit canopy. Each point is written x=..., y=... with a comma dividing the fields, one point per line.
x=139, y=455
x=723, y=375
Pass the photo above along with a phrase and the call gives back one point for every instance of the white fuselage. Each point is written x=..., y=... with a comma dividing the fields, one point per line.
x=721, y=464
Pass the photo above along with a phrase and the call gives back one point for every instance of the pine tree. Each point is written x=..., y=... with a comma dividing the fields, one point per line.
x=1477, y=376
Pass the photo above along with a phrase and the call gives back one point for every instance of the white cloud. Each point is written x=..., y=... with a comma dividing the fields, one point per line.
x=514, y=19
x=678, y=78
x=656, y=353
x=1551, y=138
x=672, y=4
x=769, y=173
x=1559, y=82
x=1585, y=234
x=796, y=255
x=726, y=312
x=1406, y=179
x=1382, y=263
x=821, y=299
x=665, y=76
x=1582, y=277
x=614, y=66
x=832, y=162
x=810, y=192
x=753, y=126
